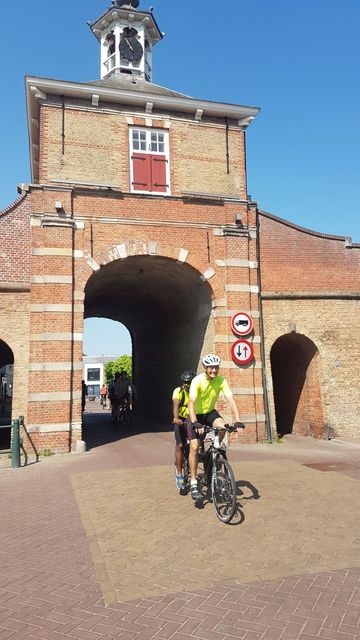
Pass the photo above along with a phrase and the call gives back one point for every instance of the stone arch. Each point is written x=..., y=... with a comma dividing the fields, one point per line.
x=166, y=304
x=127, y=249
x=6, y=391
x=296, y=386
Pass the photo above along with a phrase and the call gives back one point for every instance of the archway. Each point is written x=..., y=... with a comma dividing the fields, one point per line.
x=296, y=386
x=6, y=390
x=166, y=306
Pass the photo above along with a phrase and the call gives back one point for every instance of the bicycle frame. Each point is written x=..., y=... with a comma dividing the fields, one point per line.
x=211, y=454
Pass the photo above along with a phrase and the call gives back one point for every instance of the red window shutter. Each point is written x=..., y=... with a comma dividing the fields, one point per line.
x=158, y=174
x=141, y=172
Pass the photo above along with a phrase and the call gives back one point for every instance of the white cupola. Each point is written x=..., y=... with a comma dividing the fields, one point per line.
x=127, y=36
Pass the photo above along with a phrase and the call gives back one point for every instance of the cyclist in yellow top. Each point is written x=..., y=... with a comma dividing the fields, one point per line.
x=204, y=392
x=180, y=401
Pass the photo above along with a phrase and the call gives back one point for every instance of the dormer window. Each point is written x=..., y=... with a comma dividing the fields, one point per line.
x=149, y=160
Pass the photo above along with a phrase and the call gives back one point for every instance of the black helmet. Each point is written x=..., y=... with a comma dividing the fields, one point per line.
x=187, y=376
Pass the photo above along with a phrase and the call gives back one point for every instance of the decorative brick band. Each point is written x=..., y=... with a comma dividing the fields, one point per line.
x=220, y=302
x=243, y=288
x=223, y=338
x=247, y=391
x=55, y=366
x=53, y=396
x=55, y=308
x=219, y=313
x=56, y=337
x=56, y=251
x=229, y=364
x=237, y=262
x=56, y=279
x=252, y=417
x=52, y=428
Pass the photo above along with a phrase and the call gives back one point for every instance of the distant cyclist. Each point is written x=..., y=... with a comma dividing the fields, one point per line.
x=204, y=392
x=118, y=392
x=180, y=401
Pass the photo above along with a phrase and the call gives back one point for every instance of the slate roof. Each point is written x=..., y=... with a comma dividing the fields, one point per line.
x=127, y=82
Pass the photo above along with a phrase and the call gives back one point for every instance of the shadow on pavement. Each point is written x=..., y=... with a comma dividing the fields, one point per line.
x=99, y=430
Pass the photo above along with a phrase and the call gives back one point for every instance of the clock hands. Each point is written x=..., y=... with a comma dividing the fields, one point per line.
x=129, y=45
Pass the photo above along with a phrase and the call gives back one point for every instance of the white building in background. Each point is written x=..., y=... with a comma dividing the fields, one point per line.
x=93, y=372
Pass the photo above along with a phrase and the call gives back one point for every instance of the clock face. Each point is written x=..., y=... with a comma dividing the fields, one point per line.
x=130, y=47
x=121, y=3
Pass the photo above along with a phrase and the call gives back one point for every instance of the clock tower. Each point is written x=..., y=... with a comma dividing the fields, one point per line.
x=127, y=36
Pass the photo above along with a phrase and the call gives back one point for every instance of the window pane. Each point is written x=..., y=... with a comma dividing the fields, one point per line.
x=143, y=140
x=161, y=147
x=154, y=146
x=93, y=374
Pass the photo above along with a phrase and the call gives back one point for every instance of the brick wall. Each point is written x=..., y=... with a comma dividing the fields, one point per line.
x=15, y=293
x=310, y=286
x=96, y=149
x=15, y=242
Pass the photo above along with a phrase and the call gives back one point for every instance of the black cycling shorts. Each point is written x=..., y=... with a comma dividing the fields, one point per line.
x=180, y=433
x=207, y=419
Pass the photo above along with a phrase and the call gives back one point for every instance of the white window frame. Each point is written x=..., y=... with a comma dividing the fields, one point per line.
x=166, y=153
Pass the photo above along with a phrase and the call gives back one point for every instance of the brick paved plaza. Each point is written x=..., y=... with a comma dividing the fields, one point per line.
x=100, y=545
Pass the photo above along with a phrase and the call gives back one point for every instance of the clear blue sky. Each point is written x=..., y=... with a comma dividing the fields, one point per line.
x=297, y=60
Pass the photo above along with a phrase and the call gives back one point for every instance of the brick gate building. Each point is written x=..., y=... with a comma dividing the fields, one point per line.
x=138, y=211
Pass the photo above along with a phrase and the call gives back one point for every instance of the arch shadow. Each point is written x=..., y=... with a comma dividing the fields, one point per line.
x=166, y=306
x=296, y=386
x=6, y=390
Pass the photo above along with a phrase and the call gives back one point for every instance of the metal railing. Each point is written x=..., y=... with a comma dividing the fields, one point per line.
x=15, y=441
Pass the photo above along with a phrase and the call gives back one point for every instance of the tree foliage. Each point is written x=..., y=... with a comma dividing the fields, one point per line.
x=124, y=363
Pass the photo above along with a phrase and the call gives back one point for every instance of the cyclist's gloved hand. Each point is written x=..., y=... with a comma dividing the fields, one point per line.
x=239, y=425
x=197, y=426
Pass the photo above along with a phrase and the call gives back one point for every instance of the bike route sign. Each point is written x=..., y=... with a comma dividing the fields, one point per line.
x=242, y=352
x=241, y=323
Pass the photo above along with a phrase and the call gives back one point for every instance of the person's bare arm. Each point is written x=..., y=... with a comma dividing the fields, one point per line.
x=191, y=407
x=176, y=403
x=234, y=408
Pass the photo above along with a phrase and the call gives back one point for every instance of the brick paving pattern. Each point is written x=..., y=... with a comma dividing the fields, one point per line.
x=51, y=580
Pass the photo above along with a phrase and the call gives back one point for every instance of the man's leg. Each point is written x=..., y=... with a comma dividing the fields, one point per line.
x=179, y=457
x=193, y=459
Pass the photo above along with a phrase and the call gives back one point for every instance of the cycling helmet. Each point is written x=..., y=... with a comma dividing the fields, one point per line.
x=187, y=376
x=211, y=360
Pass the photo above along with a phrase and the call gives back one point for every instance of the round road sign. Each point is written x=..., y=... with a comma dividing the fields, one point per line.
x=242, y=323
x=242, y=352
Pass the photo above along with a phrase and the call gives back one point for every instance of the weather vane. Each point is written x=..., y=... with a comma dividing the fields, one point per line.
x=121, y=3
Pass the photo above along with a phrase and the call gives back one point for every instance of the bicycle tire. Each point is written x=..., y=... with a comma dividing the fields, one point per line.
x=223, y=489
x=186, y=468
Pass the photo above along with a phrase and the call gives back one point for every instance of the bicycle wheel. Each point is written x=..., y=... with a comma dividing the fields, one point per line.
x=223, y=490
x=186, y=470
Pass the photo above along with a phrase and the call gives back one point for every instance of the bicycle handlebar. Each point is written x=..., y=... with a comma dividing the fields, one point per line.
x=227, y=427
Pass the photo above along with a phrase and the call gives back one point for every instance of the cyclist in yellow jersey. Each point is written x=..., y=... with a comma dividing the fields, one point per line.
x=180, y=401
x=204, y=392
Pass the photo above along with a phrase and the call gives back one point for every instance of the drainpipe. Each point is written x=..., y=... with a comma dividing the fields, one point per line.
x=262, y=335
x=73, y=245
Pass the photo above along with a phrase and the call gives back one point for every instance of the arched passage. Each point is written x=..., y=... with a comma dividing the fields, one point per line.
x=296, y=386
x=6, y=389
x=166, y=307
